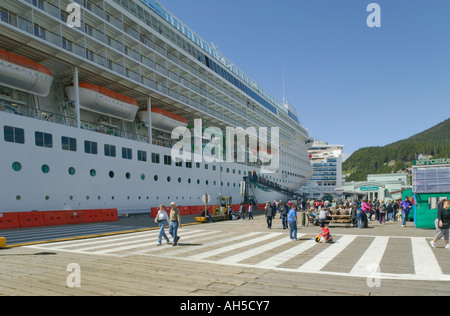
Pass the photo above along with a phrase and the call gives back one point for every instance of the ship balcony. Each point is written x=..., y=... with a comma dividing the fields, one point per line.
x=132, y=51
x=22, y=109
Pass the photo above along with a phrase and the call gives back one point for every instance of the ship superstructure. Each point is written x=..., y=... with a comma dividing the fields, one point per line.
x=87, y=110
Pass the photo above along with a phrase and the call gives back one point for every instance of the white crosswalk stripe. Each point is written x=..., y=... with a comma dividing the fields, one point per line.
x=372, y=256
x=425, y=262
x=268, y=250
x=252, y=252
x=217, y=251
x=321, y=260
x=286, y=255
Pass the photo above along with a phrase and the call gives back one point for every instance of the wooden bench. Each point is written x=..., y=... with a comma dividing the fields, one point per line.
x=341, y=219
x=218, y=218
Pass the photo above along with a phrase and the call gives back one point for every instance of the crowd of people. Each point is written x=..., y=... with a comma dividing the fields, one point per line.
x=361, y=212
x=319, y=213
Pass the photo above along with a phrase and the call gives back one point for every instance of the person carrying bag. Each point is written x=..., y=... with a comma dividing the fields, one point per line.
x=162, y=219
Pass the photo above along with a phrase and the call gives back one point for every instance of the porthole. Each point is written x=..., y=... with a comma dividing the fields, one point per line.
x=127, y=175
x=155, y=178
x=92, y=172
x=18, y=197
x=179, y=180
x=47, y=197
x=16, y=166
x=142, y=177
x=71, y=171
x=168, y=179
x=45, y=169
x=111, y=174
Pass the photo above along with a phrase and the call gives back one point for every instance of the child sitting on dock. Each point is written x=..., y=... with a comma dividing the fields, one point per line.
x=324, y=236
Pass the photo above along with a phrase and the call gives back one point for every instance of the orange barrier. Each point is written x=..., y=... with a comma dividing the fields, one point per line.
x=9, y=220
x=110, y=215
x=184, y=210
x=31, y=219
x=153, y=211
x=93, y=216
x=74, y=217
x=193, y=210
x=52, y=218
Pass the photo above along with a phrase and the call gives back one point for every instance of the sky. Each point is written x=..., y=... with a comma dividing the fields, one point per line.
x=350, y=84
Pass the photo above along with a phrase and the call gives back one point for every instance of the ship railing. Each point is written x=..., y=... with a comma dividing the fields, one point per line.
x=267, y=185
x=15, y=107
x=54, y=36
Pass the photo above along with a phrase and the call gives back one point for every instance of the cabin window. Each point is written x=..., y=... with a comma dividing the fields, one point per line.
x=155, y=158
x=14, y=134
x=90, y=147
x=127, y=153
x=142, y=155
x=110, y=150
x=69, y=143
x=16, y=166
x=43, y=139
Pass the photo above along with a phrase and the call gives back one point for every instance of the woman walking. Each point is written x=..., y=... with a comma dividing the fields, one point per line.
x=442, y=224
x=163, y=220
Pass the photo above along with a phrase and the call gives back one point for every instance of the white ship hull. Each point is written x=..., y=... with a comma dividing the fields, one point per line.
x=31, y=189
x=101, y=153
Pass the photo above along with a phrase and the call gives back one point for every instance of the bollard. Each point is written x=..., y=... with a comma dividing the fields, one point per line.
x=2, y=242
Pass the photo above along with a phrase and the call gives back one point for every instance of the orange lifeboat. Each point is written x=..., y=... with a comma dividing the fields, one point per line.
x=104, y=101
x=23, y=74
x=162, y=119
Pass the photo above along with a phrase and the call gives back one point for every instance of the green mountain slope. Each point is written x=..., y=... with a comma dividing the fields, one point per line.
x=393, y=157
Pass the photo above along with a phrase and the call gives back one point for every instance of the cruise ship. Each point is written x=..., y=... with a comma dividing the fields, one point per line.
x=91, y=92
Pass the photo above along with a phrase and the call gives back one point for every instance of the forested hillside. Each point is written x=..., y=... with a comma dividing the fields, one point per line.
x=399, y=155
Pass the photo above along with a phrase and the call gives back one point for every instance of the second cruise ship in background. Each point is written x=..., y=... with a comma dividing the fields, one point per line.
x=87, y=111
